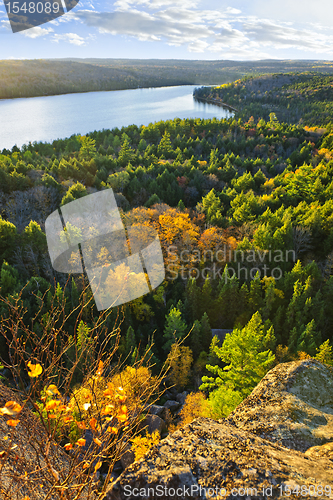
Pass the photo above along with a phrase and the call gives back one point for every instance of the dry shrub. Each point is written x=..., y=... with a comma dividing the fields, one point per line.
x=37, y=424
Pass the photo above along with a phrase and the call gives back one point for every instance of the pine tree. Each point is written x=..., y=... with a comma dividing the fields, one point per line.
x=192, y=299
x=227, y=301
x=255, y=296
x=130, y=341
x=324, y=353
x=175, y=328
x=165, y=146
x=205, y=332
x=246, y=356
x=195, y=339
x=206, y=302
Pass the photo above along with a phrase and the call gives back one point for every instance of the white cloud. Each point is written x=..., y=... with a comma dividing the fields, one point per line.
x=225, y=32
x=153, y=4
x=145, y=26
x=72, y=38
x=231, y=10
x=36, y=32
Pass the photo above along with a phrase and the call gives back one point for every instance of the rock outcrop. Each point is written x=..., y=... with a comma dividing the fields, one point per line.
x=279, y=437
x=292, y=405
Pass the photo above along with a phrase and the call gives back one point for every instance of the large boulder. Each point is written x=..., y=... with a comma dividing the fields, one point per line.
x=206, y=454
x=259, y=451
x=292, y=405
x=153, y=423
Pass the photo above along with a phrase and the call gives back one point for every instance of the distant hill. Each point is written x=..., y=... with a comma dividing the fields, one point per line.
x=30, y=78
x=295, y=97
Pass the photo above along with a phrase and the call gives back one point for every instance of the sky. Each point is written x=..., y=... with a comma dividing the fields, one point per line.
x=179, y=29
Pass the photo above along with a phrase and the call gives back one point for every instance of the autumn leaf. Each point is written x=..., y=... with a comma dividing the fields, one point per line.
x=68, y=419
x=122, y=418
x=113, y=430
x=81, y=442
x=86, y=394
x=52, y=390
x=123, y=409
x=11, y=408
x=12, y=423
x=86, y=406
x=107, y=410
x=100, y=368
x=81, y=425
x=97, y=466
x=51, y=405
x=68, y=446
x=109, y=392
x=92, y=423
x=97, y=441
x=35, y=370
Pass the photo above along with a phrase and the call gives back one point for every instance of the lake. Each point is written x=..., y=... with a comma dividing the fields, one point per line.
x=53, y=117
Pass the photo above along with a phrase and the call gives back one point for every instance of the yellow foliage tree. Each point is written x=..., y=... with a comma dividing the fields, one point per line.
x=180, y=359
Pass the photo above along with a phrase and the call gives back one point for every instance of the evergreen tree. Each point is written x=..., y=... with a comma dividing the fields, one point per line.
x=195, y=339
x=192, y=300
x=175, y=328
x=324, y=353
x=130, y=341
x=246, y=356
x=205, y=332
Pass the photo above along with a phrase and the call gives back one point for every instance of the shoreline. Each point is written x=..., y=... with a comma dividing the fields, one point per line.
x=91, y=91
x=215, y=102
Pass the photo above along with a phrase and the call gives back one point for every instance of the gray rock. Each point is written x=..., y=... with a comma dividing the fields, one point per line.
x=127, y=457
x=280, y=435
x=292, y=405
x=153, y=423
x=181, y=397
x=156, y=410
x=171, y=405
x=212, y=455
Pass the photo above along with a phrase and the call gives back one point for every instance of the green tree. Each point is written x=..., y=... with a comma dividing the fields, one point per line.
x=88, y=147
x=205, y=332
x=212, y=208
x=126, y=154
x=246, y=357
x=119, y=180
x=75, y=192
x=8, y=279
x=195, y=339
x=165, y=146
x=8, y=239
x=175, y=328
x=35, y=237
x=324, y=353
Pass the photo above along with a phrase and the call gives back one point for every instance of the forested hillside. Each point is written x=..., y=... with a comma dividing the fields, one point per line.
x=29, y=78
x=293, y=97
x=244, y=212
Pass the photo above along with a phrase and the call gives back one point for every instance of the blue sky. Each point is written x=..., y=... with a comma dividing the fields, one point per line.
x=186, y=29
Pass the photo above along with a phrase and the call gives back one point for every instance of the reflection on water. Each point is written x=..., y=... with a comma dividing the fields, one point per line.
x=54, y=117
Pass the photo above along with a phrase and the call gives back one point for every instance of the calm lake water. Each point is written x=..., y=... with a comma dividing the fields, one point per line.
x=53, y=117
